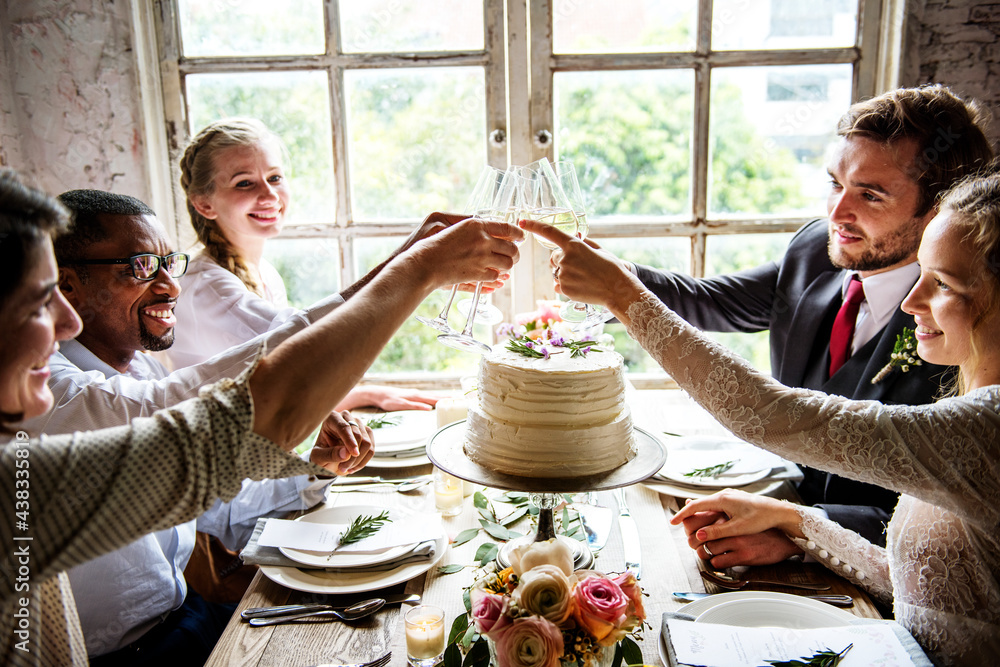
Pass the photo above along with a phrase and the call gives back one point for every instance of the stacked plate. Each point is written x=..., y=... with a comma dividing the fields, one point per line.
x=698, y=466
x=363, y=569
x=401, y=440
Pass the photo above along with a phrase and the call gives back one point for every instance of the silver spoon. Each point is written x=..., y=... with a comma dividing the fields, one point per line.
x=352, y=613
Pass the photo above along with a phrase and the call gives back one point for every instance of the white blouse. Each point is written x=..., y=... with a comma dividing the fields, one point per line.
x=942, y=561
x=215, y=311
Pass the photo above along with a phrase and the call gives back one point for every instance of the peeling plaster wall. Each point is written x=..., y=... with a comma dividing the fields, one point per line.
x=70, y=86
x=69, y=108
x=957, y=42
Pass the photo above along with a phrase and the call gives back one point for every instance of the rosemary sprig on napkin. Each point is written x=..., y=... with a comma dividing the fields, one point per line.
x=712, y=471
x=362, y=527
x=827, y=658
x=383, y=419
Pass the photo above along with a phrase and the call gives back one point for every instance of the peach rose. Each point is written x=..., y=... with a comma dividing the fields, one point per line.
x=545, y=590
x=630, y=587
x=529, y=642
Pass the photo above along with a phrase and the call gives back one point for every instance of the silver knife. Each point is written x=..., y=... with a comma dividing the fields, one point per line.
x=630, y=536
x=835, y=600
x=285, y=609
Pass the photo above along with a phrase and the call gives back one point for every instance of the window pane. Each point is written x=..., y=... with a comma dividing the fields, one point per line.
x=257, y=28
x=415, y=348
x=726, y=254
x=394, y=25
x=671, y=253
x=309, y=267
x=629, y=135
x=770, y=128
x=623, y=26
x=415, y=139
x=293, y=104
x=783, y=24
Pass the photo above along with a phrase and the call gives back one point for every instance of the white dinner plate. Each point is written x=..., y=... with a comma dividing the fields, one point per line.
x=765, y=487
x=392, y=463
x=770, y=613
x=699, y=607
x=344, y=515
x=414, y=427
x=688, y=453
x=824, y=613
x=318, y=581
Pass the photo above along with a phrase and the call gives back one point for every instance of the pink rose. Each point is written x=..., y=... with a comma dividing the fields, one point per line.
x=525, y=318
x=630, y=587
x=548, y=313
x=600, y=607
x=488, y=612
x=529, y=642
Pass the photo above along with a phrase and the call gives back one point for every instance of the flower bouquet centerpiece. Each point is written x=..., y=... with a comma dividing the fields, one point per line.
x=543, y=332
x=540, y=613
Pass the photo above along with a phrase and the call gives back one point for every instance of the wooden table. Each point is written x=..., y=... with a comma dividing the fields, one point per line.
x=668, y=565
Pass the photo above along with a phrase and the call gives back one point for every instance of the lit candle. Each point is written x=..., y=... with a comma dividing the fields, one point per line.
x=448, y=496
x=424, y=635
x=451, y=410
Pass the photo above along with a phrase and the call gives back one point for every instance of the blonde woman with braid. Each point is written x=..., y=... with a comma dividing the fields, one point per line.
x=238, y=198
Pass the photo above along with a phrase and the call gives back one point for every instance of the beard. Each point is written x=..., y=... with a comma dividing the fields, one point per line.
x=881, y=253
x=155, y=343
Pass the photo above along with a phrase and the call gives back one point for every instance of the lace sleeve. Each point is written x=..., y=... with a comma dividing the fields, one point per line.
x=943, y=453
x=846, y=553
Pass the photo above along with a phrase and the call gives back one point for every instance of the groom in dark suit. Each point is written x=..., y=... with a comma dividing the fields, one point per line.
x=894, y=154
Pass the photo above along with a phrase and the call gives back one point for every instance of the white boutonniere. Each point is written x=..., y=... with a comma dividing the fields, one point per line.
x=904, y=356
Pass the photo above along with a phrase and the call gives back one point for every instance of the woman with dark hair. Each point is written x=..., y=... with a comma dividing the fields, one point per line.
x=941, y=566
x=70, y=498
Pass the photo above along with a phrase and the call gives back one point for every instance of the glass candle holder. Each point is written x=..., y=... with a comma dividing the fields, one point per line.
x=451, y=410
x=424, y=635
x=448, y=493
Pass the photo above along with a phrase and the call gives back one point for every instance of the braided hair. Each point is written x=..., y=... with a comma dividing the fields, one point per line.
x=198, y=178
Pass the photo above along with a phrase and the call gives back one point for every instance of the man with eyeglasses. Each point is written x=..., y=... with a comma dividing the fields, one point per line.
x=118, y=270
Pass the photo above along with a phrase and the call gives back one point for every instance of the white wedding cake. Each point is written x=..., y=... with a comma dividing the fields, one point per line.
x=558, y=417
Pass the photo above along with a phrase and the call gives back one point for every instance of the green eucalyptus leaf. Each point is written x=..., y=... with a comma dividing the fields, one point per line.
x=514, y=516
x=487, y=552
x=479, y=500
x=465, y=536
x=496, y=531
x=451, y=568
x=616, y=661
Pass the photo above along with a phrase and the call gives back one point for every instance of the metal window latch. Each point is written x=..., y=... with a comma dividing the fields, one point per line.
x=543, y=138
x=498, y=137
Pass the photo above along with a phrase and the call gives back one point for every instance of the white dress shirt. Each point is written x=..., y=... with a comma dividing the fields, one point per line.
x=121, y=595
x=216, y=311
x=884, y=292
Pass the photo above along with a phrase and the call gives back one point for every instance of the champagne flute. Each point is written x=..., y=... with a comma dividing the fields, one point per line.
x=549, y=203
x=584, y=315
x=482, y=203
x=487, y=182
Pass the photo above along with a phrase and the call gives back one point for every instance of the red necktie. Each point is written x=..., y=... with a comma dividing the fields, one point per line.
x=843, y=326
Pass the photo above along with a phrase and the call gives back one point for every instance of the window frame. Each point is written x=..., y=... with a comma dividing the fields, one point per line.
x=517, y=50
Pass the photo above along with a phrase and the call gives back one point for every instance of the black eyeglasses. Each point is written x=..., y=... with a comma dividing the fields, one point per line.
x=146, y=266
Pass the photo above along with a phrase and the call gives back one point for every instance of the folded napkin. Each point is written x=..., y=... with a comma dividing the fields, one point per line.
x=913, y=650
x=255, y=554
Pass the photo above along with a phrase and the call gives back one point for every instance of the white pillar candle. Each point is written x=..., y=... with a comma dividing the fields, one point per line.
x=451, y=410
x=424, y=633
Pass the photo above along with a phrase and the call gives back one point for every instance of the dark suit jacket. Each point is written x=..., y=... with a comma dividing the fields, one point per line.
x=797, y=299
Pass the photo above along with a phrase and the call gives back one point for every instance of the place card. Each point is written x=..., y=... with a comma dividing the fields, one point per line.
x=712, y=644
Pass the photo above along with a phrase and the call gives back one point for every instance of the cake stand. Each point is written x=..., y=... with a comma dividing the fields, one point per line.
x=446, y=451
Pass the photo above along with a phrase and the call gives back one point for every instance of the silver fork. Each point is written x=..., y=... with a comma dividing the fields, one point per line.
x=377, y=662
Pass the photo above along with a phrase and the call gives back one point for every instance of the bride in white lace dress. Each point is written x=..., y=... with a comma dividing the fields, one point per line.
x=941, y=567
